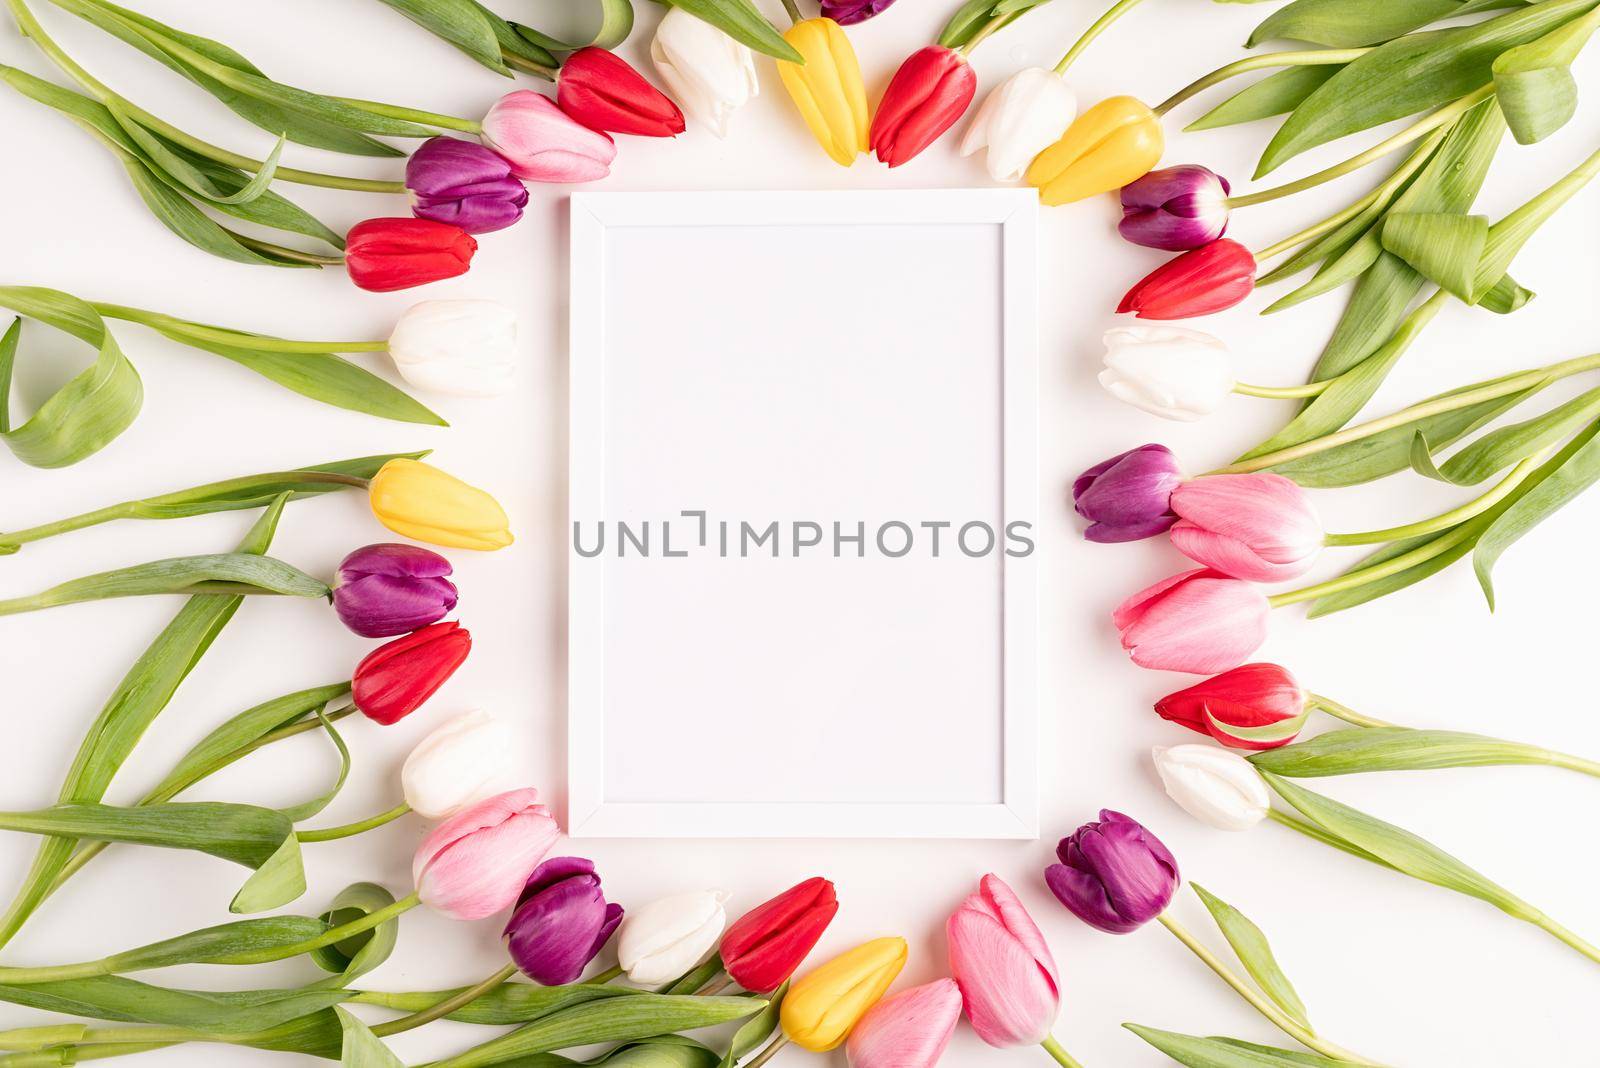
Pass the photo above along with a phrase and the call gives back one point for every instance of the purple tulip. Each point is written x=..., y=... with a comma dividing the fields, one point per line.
x=562, y=920
x=464, y=184
x=1176, y=209
x=1114, y=875
x=384, y=590
x=850, y=12
x=1129, y=496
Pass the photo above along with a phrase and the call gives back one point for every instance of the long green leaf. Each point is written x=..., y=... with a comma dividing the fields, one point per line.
x=1364, y=749
x=114, y=997
x=1255, y=953
x=754, y=1032
x=244, y=834
x=1199, y=1052
x=1355, y=23
x=508, y=1003
x=1508, y=445
x=222, y=944
x=740, y=20
x=1276, y=94
x=460, y=22
x=221, y=573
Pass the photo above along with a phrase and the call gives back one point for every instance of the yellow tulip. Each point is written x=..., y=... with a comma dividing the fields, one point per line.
x=828, y=89
x=422, y=502
x=823, y=1007
x=1113, y=143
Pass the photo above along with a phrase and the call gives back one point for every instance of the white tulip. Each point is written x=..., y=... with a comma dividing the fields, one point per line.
x=668, y=938
x=467, y=760
x=1020, y=118
x=1167, y=370
x=1217, y=787
x=710, y=73
x=462, y=347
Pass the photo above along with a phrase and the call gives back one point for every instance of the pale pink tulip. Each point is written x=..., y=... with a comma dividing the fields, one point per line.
x=475, y=863
x=1200, y=621
x=1259, y=526
x=1007, y=976
x=909, y=1030
x=542, y=143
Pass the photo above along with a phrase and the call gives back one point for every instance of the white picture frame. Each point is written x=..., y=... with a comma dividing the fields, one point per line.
x=679, y=301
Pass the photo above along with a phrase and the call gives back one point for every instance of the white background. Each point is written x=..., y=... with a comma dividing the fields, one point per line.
x=1403, y=972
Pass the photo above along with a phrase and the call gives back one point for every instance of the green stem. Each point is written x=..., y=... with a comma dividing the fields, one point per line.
x=1103, y=23
x=447, y=1006
x=1052, y=1047
x=168, y=324
x=1310, y=389
x=606, y=976
x=528, y=66
x=1445, y=520
x=794, y=11
x=285, y=252
x=770, y=1052
x=1306, y=58
x=1344, y=712
x=715, y=987
x=1317, y=834
x=990, y=28
x=350, y=830
x=416, y=115
x=1556, y=930
x=53, y=1058
x=1366, y=575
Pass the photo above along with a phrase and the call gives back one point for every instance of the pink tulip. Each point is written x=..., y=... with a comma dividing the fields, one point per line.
x=1200, y=621
x=475, y=863
x=1259, y=526
x=544, y=144
x=1007, y=976
x=909, y=1030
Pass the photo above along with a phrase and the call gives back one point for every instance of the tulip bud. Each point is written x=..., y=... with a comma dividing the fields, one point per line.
x=1217, y=787
x=1200, y=621
x=1257, y=526
x=465, y=348
x=827, y=88
x=1167, y=370
x=764, y=946
x=823, y=1005
x=930, y=91
x=600, y=90
x=389, y=589
x=561, y=922
x=1128, y=497
x=911, y=1029
x=1209, y=279
x=420, y=501
x=466, y=760
x=1175, y=209
x=542, y=143
x=1114, y=875
x=671, y=936
x=475, y=864
x=464, y=184
x=383, y=255
x=850, y=12
x=1105, y=148
x=1020, y=118
x=1007, y=975
x=710, y=73
x=395, y=679
x=1254, y=706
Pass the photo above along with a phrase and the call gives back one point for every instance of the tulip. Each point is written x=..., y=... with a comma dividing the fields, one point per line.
x=827, y=88
x=1175, y=209
x=1128, y=497
x=1167, y=370
x=475, y=863
x=929, y=92
x=384, y=590
x=1007, y=975
x=393, y=680
x=1254, y=706
x=1217, y=787
x=600, y=90
x=850, y=12
x=1257, y=526
x=1114, y=875
x=764, y=946
x=671, y=936
x=383, y=255
x=1208, y=279
x=465, y=184
x=1021, y=117
x=461, y=347
x=1105, y=148
x=542, y=143
x=907, y=1030
x=824, y=1004
x=420, y=501
x=1200, y=621
x=561, y=922
x=710, y=73
x=466, y=760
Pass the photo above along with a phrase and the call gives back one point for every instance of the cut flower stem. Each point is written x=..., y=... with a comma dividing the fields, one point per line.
x=350, y=830
x=1100, y=25
x=1444, y=521
x=1304, y=58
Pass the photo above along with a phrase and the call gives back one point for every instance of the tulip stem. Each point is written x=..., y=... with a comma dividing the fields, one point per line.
x=1317, y=834
x=715, y=987
x=1051, y=1046
x=1363, y=576
x=168, y=324
x=295, y=255
x=1103, y=23
x=990, y=28
x=416, y=115
x=1310, y=389
x=770, y=1052
x=447, y=1006
x=1344, y=712
x=350, y=830
x=528, y=66
x=1264, y=1006
x=1444, y=521
x=614, y=972
x=1307, y=58
x=794, y=11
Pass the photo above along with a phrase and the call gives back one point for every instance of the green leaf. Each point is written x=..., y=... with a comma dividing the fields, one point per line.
x=509, y=1003
x=1255, y=953
x=230, y=573
x=664, y=1051
x=460, y=22
x=224, y=944
x=1226, y=1053
x=1276, y=94
x=754, y=1032
x=513, y=43
x=740, y=20
x=1444, y=249
x=114, y=997
x=187, y=177
x=695, y=979
x=277, y=882
x=1355, y=23
x=1363, y=749
x=1508, y=235
x=1460, y=539
x=177, y=214
x=362, y=952
x=1505, y=296
x=1508, y=445
x=362, y=1048
x=244, y=834
x=969, y=18
x=616, y=22
x=306, y=809
x=1534, y=84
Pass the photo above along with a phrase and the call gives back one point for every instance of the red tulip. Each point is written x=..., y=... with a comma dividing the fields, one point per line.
x=764, y=946
x=600, y=90
x=396, y=678
x=383, y=255
x=1255, y=706
x=1205, y=280
x=930, y=91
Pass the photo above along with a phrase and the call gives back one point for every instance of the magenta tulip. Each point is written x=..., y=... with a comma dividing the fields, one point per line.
x=465, y=184
x=1200, y=621
x=1177, y=208
x=476, y=863
x=1114, y=875
x=1007, y=976
x=909, y=1030
x=1128, y=497
x=1258, y=526
x=562, y=920
x=388, y=589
